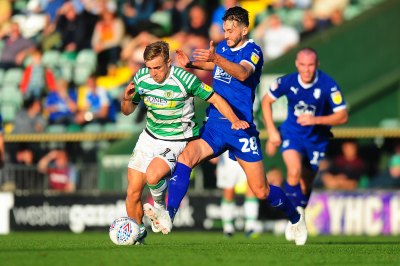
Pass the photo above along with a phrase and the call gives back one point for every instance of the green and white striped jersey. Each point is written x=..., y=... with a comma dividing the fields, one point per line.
x=170, y=105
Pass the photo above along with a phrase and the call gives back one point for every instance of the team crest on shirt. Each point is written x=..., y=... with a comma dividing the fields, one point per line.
x=254, y=58
x=221, y=75
x=168, y=94
x=336, y=97
x=317, y=93
x=206, y=87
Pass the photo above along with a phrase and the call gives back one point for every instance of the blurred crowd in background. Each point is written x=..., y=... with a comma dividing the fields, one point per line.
x=64, y=63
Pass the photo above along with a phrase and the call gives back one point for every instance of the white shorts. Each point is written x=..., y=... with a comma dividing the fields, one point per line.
x=229, y=172
x=147, y=148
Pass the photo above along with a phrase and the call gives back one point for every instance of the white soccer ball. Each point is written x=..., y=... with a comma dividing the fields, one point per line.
x=124, y=231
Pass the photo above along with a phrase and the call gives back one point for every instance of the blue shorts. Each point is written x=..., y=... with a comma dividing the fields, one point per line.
x=243, y=144
x=312, y=152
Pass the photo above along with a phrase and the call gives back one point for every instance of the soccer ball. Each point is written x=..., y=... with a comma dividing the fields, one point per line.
x=124, y=231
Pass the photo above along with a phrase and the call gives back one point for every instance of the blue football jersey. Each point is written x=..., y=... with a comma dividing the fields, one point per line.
x=240, y=95
x=322, y=97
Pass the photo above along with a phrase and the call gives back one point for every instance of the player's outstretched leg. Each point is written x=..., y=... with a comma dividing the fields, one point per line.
x=297, y=225
x=178, y=187
x=159, y=218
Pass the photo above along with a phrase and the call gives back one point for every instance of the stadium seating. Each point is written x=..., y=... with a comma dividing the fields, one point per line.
x=8, y=112
x=11, y=94
x=12, y=77
x=51, y=59
x=2, y=73
x=85, y=65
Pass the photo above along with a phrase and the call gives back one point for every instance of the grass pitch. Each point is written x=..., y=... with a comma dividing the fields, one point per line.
x=195, y=248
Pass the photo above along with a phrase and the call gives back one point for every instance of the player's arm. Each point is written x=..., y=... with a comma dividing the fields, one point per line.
x=127, y=105
x=337, y=118
x=225, y=109
x=239, y=71
x=274, y=138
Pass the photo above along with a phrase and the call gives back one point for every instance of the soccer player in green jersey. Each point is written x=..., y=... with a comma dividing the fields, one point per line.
x=168, y=94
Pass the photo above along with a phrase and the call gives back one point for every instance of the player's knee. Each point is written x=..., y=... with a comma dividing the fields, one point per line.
x=261, y=193
x=151, y=177
x=185, y=158
x=293, y=175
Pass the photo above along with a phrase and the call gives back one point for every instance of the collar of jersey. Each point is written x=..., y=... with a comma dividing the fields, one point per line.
x=308, y=85
x=240, y=47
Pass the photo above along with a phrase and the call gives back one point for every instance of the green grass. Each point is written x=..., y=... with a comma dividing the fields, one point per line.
x=195, y=248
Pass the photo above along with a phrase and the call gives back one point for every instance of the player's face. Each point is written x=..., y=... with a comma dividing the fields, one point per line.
x=235, y=33
x=306, y=64
x=159, y=68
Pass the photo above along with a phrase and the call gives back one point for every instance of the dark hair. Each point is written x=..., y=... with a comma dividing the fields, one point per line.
x=238, y=14
x=156, y=49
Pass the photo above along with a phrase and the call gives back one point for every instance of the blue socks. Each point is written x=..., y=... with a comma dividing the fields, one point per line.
x=178, y=186
x=296, y=196
x=278, y=199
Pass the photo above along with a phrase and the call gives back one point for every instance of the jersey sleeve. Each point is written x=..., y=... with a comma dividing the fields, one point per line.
x=277, y=88
x=336, y=99
x=137, y=97
x=201, y=90
x=253, y=56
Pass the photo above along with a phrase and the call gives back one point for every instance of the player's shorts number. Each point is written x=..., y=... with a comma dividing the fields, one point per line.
x=316, y=158
x=249, y=144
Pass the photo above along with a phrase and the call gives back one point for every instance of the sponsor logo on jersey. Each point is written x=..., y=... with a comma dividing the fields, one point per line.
x=301, y=108
x=150, y=100
x=206, y=87
x=336, y=97
x=317, y=93
x=254, y=58
x=295, y=90
x=221, y=75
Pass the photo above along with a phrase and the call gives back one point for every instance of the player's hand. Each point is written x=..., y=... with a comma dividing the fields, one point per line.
x=306, y=120
x=182, y=58
x=274, y=141
x=270, y=148
x=129, y=91
x=240, y=124
x=205, y=55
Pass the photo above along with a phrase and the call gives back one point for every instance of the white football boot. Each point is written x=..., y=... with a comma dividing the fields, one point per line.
x=299, y=229
x=159, y=218
x=288, y=232
x=142, y=236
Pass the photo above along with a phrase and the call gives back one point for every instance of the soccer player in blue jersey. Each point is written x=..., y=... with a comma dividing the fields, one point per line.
x=236, y=64
x=315, y=103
